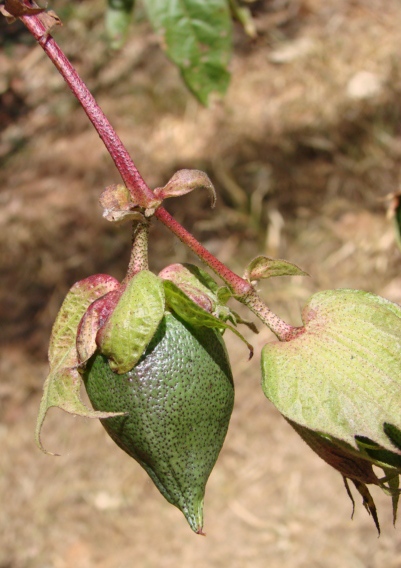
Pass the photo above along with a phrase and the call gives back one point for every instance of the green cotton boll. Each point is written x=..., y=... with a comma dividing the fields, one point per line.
x=178, y=401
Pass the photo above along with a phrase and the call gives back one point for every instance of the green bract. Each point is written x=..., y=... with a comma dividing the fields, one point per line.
x=63, y=384
x=133, y=321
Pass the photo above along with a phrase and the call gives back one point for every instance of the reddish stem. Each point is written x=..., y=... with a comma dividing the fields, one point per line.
x=140, y=191
x=282, y=330
x=239, y=286
x=139, y=251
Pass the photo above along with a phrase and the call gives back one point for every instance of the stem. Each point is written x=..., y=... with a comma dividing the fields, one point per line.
x=139, y=251
x=140, y=191
x=239, y=286
x=282, y=330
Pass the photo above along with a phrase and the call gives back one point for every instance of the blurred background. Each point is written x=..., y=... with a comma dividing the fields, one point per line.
x=304, y=151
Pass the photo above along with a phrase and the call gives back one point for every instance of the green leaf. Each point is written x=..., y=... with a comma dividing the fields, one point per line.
x=197, y=38
x=133, y=322
x=224, y=294
x=265, y=267
x=244, y=16
x=202, y=276
x=62, y=386
x=118, y=19
x=200, y=287
x=193, y=314
x=342, y=376
x=249, y=324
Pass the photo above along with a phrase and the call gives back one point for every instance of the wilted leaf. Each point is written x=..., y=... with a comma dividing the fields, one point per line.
x=197, y=38
x=185, y=181
x=344, y=459
x=62, y=386
x=265, y=267
x=16, y=8
x=352, y=466
x=118, y=205
x=133, y=322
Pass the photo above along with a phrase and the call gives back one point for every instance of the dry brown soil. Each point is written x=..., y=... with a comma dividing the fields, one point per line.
x=304, y=151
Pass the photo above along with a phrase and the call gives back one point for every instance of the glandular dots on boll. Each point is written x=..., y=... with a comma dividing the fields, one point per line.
x=179, y=399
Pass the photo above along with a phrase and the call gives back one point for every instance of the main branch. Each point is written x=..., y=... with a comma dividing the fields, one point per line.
x=140, y=191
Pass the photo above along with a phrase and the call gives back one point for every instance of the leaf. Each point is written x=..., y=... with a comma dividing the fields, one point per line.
x=197, y=37
x=194, y=282
x=91, y=322
x=118, y=205
x=62, y=386
x=193, y=314
x=342, y=376
x=133, y=322
x=203, y=277
x=339, y=456
x=224, y=294
x=16, y=8
x=265, y=267
x=200, y=287
x=118, y=19
x=185, y=181
x=244, y=16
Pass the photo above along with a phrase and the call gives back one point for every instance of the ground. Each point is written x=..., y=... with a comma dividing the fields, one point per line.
x=304, y=151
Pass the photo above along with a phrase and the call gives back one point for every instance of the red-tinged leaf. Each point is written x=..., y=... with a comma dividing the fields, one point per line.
x=265, y=267
x=92, y=320
x=62, y=386
x=189, y=279
x=118, y=205
x=185, y=181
